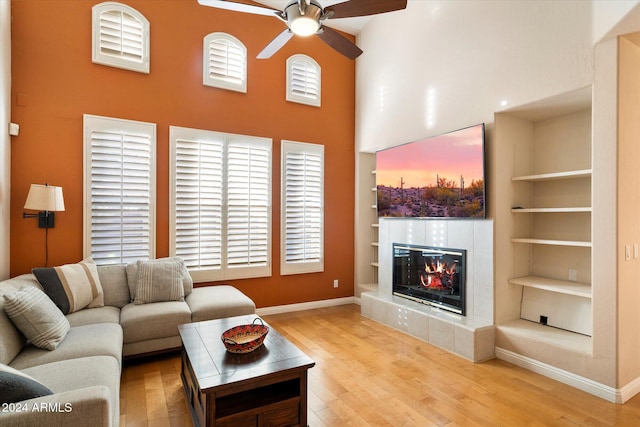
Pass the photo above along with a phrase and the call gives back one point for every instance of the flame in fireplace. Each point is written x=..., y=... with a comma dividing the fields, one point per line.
x=438, y=275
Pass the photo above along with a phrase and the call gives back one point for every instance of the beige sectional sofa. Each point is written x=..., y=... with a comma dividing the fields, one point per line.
x=82, y=373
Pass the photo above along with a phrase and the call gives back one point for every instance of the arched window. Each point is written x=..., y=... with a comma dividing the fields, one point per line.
x=224, y=60
x=120, y=37
x=303, y=80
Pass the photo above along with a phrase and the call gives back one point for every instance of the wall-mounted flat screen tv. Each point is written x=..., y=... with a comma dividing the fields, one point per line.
x=437, y=177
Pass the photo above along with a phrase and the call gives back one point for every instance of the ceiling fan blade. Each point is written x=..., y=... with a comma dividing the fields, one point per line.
x=339, y=42
x=353, y=8
x=275, y=45
x=241, y=7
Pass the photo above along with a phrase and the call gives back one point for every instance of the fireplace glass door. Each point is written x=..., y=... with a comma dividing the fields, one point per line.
x=430, y=275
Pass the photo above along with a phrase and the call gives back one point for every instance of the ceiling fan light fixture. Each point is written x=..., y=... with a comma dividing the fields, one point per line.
x=304, y=26
x=303, y=18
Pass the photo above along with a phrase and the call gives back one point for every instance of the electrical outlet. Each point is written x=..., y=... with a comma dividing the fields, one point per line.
x=573, y=275
x=335, y=283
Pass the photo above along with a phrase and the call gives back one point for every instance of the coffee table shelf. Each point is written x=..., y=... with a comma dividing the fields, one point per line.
x=280, y=400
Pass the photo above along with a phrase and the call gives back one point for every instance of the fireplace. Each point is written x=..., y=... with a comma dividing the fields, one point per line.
x=430, y=275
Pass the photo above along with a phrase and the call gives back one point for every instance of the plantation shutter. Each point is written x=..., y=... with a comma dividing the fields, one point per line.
x=303, y=80
x=225, y=59
x=121, y=37
x=198, y=202
x=120, y=187
x=248, y=204
x=303, y=208
x=221, y=203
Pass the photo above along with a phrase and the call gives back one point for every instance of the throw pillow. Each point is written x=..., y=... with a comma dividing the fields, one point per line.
x=132, y=275
x=16, y=386
x=159, y=281
x=72, y=287
x=37, y=317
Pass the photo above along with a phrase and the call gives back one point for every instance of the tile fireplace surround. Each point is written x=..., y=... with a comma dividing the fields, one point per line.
x=470, y=336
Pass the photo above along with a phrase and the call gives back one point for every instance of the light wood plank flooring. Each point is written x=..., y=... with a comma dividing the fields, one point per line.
x=367, y=374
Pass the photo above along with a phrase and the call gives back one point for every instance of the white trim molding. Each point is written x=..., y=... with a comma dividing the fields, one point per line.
x=288, y=308
x=614, y=395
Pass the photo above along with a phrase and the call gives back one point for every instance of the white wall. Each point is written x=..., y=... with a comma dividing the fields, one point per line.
x=612, y=18
x=441, y=65
x=5, y=139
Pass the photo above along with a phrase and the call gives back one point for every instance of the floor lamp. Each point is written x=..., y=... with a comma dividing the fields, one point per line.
x=46, y=199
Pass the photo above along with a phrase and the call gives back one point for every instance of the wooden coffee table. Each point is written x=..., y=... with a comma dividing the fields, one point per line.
x=265, y=387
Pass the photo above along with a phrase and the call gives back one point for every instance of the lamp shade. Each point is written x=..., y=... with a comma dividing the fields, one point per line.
x=44, y=198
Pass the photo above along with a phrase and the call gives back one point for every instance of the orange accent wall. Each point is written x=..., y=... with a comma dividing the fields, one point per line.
x=54, y=83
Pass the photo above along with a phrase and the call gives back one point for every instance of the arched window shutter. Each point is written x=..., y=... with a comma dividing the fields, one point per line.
x=120, y=37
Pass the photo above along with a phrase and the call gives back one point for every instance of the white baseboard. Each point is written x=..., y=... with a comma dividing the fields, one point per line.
x=278, y=309
x=629, y=390
x=614, y=395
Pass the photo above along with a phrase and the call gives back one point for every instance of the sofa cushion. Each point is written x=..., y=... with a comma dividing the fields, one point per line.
x=216, y=302
x=88, y=375
x=151, y=346
x=89, y=316
x=132, y=276
x=159, y=281
x=37, y=317
x=16, y=386
x=150, y=321
x=113, y=279
x=100, y=339
x=72, y=287
x=11, y=339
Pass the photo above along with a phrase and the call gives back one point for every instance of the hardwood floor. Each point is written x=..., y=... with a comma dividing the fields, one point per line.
x=367, y=374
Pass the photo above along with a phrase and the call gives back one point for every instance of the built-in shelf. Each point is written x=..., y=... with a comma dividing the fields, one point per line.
x=374, y=243
x=367, y=270
x=553, y=285
x=547, y=335
x=545, y=180
x=582, y=173
x=575, y=243
x=551, y=210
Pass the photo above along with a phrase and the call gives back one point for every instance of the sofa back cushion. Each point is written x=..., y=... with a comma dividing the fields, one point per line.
x=114, y=285
x=11, y=339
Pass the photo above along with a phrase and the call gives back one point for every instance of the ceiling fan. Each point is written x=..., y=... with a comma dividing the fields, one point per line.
x=307, y=17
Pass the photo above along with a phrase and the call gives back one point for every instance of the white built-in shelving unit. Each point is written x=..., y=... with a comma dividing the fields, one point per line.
x=543, y=283
x=374, y=226
x=366, y=226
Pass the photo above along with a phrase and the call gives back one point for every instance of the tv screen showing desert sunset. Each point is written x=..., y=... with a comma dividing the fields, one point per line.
x=441, y=176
